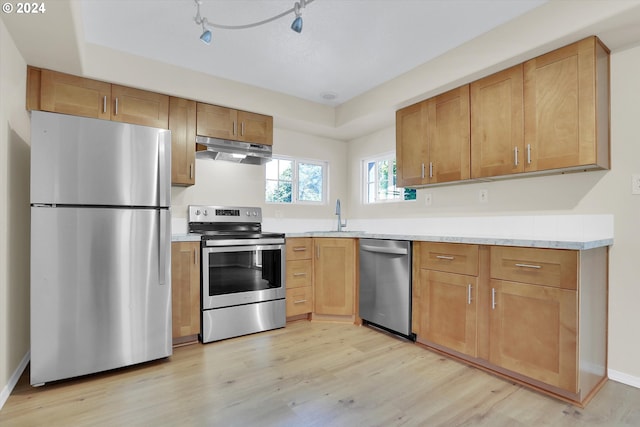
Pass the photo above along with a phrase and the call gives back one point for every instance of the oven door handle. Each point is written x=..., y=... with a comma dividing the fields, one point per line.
x=248, y=248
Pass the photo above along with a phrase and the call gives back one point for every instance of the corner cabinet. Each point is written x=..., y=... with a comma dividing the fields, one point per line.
x=334, y=273
x=182, y=123
x=226, y=123
x=185, y=291
x=537, y=316
x=432, y=140
x=299, y=276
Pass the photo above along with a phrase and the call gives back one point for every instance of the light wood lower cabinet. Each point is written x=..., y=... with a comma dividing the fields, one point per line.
x=537, y=316
x=299, y=276
x=334, y=273
x=185, y=291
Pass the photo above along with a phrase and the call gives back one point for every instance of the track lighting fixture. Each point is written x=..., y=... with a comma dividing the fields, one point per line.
x=206, y=35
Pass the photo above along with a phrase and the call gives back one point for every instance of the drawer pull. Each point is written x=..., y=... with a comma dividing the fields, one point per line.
x=299, y=248
x=299, y=274
x=300, y=301
x=445, y=257
x=528, y=266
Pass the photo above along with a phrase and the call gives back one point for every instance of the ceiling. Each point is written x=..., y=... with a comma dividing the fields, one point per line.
x=346, y=47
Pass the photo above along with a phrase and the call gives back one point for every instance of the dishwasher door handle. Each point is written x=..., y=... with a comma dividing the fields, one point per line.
x=381, y=250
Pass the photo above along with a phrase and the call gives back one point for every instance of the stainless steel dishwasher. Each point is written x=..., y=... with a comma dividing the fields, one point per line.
x=385, y=284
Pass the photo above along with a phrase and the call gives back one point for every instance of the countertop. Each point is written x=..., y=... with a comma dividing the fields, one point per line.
x=523, y=241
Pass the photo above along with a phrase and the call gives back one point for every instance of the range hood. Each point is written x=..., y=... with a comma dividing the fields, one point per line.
x=233, y=151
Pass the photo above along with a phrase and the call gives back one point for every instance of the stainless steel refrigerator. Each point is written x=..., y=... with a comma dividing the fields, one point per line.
x=100, y=245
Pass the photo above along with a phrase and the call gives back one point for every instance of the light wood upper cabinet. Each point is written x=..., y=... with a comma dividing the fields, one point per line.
x=497, y=124
x=185, y=290
x=448, y=136
x=334, y=276
x=79, y=96
x=182, y=123
x=566, y=95
x=67, y=94
x=140, y=107
x=226, y=123
x=432, y=140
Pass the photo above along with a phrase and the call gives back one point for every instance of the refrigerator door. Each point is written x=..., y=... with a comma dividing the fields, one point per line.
x=83, y=161
x=100, y=289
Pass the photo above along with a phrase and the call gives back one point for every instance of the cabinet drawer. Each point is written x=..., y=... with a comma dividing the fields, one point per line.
x=299, y=248
x=450, y=257
x=557, y=268
x=299, y=301
x=298, y=273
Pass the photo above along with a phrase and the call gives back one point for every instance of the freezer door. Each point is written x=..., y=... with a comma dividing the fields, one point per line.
x=100, y=289
x=84, y=161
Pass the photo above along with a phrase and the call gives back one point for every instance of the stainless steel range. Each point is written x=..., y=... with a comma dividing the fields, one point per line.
x=242, y=277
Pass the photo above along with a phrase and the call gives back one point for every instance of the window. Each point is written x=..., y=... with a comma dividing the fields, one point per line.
x=380, y=181
x=295, y=181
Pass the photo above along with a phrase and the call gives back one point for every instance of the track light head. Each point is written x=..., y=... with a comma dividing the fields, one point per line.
x=206, y=36
x=296, y=25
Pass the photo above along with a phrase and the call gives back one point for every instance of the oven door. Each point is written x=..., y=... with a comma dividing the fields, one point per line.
x=236, y=275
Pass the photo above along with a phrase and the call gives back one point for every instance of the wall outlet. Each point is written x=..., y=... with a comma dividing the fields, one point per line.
x=483, y=196
x=428, y=199
x=635, y=183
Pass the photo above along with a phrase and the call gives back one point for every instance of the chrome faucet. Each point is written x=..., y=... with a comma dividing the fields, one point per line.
x=339, y=213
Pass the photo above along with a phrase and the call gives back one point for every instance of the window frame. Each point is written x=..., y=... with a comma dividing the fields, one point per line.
x=295, y=186
x=389, y=156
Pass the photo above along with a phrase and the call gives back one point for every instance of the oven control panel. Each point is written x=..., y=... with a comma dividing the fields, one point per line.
x=203, y=213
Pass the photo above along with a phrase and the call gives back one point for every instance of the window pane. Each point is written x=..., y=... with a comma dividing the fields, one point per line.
x=409, y=193
x=286, y=170
x=310, y=182
x=271, y=171
x=371, y=192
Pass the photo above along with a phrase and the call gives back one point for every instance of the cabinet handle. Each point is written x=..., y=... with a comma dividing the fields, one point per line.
x=430, y=169
x=104, y=104
x=300, y=301
x=299, y=248
x=515, y=159
x=234, y=128
x=469, y=288
x=299, y=274
x=242, y=129
x=528, y=153
x=191, y=170
x=528, y=266
x=116, y=110
x=448, y=257
x=422, y=174
x=493, y=298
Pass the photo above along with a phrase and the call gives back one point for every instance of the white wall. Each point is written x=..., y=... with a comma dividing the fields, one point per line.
x=14, y=215
x=579, y=193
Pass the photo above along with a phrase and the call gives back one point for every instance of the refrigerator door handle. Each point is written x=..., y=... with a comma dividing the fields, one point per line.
x=162, y=170
x=162, y=246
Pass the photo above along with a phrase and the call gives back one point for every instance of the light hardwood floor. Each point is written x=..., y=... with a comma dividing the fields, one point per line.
x=308, y=374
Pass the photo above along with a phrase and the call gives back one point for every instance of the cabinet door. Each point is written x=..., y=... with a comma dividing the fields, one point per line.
x=255, y=128
x=139, y=107
x=563, y=116
x=448, y=128
x=411, y=145
x=334, y=276
x=67, y=94
x=217, y=122
x=497, y=124
x=185, y=288
x=533, y=332
x=447, y=309
x=182, y=123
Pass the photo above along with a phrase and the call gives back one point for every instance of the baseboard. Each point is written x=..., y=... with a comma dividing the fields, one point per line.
x=6, y=391
x=623, y=378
